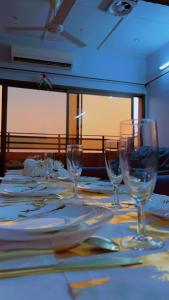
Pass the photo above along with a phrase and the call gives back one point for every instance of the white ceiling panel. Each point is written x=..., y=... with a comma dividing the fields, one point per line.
x=138, y=35
x=151, y=11
x=24, y=13
x=91, y=26
x=90, y=3
x=141, y=32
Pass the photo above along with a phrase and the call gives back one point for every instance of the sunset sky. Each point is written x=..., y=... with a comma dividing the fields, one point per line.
x=45, y=112
x=103, y=114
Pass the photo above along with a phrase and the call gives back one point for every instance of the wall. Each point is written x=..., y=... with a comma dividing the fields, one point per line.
x=95, y=69
x=158, y=93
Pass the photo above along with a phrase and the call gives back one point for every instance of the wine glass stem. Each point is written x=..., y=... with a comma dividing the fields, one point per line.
x=116, y=195
x=75, y=186
x=140, y=220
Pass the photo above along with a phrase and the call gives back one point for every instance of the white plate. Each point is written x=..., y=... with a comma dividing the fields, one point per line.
x=101, y=187
x=81, y=179
x=59, y=229
x=10, y=211
x=158, y=205
x=17, y=178
x=40, y=190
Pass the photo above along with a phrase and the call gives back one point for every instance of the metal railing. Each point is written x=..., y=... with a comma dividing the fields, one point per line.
x=52, y=142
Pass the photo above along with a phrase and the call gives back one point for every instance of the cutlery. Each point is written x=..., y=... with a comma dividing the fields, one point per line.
x=97, y=241
x=25, y=198
x=72, y=265
x=20, y=253
x=103, y=243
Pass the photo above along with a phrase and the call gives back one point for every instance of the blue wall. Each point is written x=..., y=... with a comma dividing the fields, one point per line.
x=119, y=72
x=158, y=92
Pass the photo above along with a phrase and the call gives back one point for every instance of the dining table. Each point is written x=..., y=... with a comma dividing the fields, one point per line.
x=148, y=278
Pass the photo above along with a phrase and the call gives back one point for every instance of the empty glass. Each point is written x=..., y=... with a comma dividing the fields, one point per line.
x=111, y=153
x=48, y=165
x=139, y=162
x=74, y=164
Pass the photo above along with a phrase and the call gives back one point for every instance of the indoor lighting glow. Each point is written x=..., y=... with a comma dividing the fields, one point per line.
x=163, y=67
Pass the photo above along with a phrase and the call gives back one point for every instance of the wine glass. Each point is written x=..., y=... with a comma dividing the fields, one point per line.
x=139, y=163
x=111, y=154
x=74, y=163
x=48, y=165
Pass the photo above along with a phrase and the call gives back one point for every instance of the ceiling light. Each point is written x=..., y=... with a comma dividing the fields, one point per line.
x=121, y=7
x=164, y=66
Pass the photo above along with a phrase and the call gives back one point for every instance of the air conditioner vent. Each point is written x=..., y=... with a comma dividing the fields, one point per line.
x=41, y=57
x=42, y=62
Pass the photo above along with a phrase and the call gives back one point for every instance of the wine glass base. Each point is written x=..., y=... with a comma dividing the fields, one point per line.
x=142, y=242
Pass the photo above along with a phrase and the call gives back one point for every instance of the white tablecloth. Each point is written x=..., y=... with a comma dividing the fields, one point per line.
x=149, y=280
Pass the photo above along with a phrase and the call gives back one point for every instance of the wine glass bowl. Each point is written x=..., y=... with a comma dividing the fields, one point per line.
x=113, y=168
x=139, y=163
x=74, y=163
x=48, y=165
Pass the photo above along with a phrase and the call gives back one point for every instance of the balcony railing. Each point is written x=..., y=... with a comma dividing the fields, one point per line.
x=16, y=142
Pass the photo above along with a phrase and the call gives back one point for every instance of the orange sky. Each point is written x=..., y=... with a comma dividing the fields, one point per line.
x=36, y=111
x=103, y=114
x=45, y=112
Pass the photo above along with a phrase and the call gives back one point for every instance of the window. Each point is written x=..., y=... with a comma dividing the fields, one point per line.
x=36, y=123
x=35, y=111
x=103, y=114
x=34, y=120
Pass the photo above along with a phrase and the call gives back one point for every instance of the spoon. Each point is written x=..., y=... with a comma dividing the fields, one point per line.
x=103, y=243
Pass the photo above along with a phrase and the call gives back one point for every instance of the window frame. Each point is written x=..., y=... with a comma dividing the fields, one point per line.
x=58, y=88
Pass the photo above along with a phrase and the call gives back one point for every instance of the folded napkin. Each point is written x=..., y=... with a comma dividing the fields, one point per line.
x=29, y=166
x=63, y=173
x=158, y=205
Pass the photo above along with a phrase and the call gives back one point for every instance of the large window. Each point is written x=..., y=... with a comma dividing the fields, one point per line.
x=102, y=114
x=38, y=120
x=35, y=111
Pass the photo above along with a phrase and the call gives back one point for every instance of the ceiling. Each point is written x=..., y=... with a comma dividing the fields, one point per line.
x=141, y=32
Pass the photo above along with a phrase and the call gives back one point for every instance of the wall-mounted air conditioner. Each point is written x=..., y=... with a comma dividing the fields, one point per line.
x=41, y=57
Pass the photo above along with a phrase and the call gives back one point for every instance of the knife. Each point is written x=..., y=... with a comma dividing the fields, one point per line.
x=63, y=266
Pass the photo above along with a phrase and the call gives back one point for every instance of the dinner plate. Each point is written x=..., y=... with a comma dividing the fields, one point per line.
x=81, y=179
x=59, y=228
x=16, y=210
x=38, y=190
x=158, y=205
x=100, y=187
x=14, y=178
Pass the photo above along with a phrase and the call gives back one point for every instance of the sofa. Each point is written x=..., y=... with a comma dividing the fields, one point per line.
x=162, y=183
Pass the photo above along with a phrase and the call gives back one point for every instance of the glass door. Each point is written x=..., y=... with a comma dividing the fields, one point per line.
x=36, y=123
